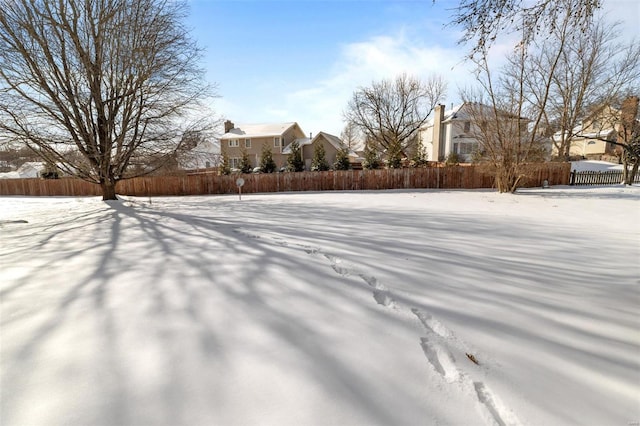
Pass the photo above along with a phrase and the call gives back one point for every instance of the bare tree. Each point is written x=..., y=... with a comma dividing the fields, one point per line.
x=350, y=135
x=390, y=112
x=618, y=125
x=483, y=20
x=506, y=125
x=629, y=138
x=98, y=86
x=591, y=68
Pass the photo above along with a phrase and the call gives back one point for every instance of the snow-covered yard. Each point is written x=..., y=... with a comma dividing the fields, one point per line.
x=354, y=308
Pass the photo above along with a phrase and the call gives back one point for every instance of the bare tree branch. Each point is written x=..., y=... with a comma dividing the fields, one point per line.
x=389, y=113
x=98, y=85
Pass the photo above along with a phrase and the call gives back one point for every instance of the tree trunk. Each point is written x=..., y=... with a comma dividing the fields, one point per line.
x=108, y=190
x=507, y=179
x=631, y=175
x=625, y=170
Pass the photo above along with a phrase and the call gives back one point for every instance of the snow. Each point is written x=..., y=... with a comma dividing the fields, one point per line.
x=594, y=165
x=251, y=130
x=350, y=308
x=27, y=170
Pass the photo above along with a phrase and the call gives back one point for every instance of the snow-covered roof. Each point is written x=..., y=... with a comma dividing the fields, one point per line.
x=301, y=142
x=29, y=169
x=459, y=112
x=448, y=114
x=258, y=130
x=209, y=147
x=577, y=132
x=335, y=141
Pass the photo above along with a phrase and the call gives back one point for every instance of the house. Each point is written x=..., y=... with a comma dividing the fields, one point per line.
x=590, y=138
x=332, y=144
x=448, y=131
x=29, y=169
x=253, y=137
x=456, y=130
x=204, y=155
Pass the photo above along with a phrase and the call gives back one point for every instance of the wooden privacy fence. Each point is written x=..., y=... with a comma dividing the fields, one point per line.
x=457, y=177
x=608, y=177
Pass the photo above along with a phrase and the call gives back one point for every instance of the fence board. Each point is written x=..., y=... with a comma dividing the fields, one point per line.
x=458, y=177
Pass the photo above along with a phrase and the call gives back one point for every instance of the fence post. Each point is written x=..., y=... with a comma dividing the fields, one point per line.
x=572, y=178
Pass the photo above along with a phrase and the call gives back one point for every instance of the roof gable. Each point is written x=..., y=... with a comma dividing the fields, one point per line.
x=335, y=141
x=462, y=113
x=260, y=130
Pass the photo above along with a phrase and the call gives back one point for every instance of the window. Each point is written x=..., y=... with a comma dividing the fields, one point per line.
x=467, y=148
x=234, y=162
x=276, y=142
x=233, y=142
x=207, y=164
x=247, y=143
x=467, y=127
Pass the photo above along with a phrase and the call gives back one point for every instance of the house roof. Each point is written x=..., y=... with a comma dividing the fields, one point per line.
x=607, y=114
x=301, y=142
x=448, y=115
x=333, y=140
x=459, y=112
x=577, y=132
x=258, y=130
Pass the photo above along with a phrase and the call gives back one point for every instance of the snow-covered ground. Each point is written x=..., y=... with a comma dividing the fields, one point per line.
x=349, y=308
x=594, y=165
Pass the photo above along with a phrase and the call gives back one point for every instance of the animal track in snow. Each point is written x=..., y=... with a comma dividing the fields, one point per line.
x=338, y=266
x=498, y=413
x=438, y=345
x=381, y=294
x=383, y=297
x=372, y=281
x=441, y=360
x=431, y=324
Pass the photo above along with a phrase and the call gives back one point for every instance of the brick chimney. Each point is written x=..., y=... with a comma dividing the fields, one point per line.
x=438, y=118
x=228, y=125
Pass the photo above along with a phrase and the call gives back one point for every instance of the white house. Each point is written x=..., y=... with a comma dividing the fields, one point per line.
x=455, y=130
x=204, y=155
x=448, y=131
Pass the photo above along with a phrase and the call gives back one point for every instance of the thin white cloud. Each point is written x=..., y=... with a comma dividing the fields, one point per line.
x=361, y=63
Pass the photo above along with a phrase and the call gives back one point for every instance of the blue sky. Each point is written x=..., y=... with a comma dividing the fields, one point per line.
x=278, y=61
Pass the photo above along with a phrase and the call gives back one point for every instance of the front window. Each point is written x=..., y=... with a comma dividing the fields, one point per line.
x=234, y=163
x=467, y=148
x=276, y=142
x=233, y=143
x=467, y=127
x=247, y=143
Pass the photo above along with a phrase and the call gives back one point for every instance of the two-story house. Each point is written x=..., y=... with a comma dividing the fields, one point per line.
x=457, y=130
x=589, y=139
x=449, y=131
x=252, y=137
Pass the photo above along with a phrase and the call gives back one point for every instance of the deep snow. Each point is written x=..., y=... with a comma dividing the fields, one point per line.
x=322, y=308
